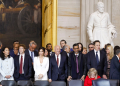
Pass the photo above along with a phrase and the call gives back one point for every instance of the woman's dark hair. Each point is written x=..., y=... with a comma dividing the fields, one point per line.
x=81, y=45
x=2, y=56
x=40, y=49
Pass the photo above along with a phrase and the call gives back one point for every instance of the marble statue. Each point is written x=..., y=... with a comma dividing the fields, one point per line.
x=100, y=28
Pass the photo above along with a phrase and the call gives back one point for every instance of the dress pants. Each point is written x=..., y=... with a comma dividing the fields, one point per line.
x=21, y=77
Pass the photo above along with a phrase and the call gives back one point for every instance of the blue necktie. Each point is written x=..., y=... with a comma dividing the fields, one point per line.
x=97, y=58
x=32, y=55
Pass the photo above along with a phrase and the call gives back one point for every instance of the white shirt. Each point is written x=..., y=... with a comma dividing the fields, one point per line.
x=59, y=57
x=50, y=53
x=7, y=68
x=98, y=52
x=118, y=57
x=23, y=56
x=77, y=54
x=41, y=68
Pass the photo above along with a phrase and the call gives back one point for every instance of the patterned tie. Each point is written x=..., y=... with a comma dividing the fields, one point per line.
x=77, y=64
x=32, y=56
x=57, y=60
x=21, y=63
x=97, y=58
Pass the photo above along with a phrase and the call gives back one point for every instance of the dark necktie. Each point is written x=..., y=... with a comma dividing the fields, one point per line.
x=32, y=56
x=97, y=58
x=57, y=60
x=21, y=63
x=77, y=64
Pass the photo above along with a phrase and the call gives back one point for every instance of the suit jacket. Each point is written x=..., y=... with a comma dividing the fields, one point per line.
x=72, y=65
x=27, y=53
x=27, y=67
x=92, y=62
x=56, y=73
x=115, y=68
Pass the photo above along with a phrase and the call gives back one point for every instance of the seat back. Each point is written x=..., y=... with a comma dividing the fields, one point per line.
x=75, y=83
x=8, y=83
x=114, y=82
x=41, y=83
x=57, y=83
x=24, y=83
x=101, y=82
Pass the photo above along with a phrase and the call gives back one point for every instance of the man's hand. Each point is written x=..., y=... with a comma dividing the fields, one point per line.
x=104, y=76
x=50, y=80
x=10, y=7
x=69, y=78
x=83, y=78
x=91, y=39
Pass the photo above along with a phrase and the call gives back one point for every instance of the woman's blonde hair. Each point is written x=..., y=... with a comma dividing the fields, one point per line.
x=91, y=71
x=111, y=51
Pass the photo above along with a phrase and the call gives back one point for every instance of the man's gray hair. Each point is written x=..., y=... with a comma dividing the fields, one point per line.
x=33, y=42
x=0, y=43
x=64, y=47
x=117, y=51
x=99, y=3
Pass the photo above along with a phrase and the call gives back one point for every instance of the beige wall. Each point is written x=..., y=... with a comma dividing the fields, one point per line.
x=68, y=21
x=73, y=16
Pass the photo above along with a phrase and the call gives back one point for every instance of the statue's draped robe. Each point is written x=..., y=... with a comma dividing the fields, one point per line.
x=100, y=28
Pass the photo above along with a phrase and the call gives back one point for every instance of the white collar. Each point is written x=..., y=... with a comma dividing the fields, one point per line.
x=117, y=57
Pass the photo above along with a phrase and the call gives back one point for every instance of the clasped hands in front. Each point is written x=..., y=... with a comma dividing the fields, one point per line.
x=82, y=78
x=7, y=76
x=40, y=76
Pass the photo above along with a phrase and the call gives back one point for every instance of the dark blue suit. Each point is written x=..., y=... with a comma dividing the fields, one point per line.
x=72, y=71
x=35, y=54
x=115, y=68
x=27, y=53
x=92, y=62
x=27, y=67
x=56, y=73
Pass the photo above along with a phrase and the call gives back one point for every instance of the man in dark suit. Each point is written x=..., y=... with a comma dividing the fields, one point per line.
x=76, y=64
x=49, y=48
x=97, y=59
x=22, y=65
x=57, y=66
x=115, y=66
x=31, y=52
x=66, y=48
x=63, y=43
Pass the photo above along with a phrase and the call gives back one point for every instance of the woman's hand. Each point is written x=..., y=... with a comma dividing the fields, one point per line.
x=40, y=76
x=8, y=76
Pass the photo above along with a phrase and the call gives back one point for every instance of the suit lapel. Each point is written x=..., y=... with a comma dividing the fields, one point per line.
x=74, y=57
x=54, y=58
x=79, y=59
x=18, y=62
x=94, y=57
x=61, y=60
x=24, y=61
x=100, y=56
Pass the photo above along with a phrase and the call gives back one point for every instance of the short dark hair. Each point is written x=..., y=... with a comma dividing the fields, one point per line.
x=48, y=44
x=63, y=41
x=116, y=48
x=22, y=45
x=96, y=41
x=16, y=41
x=90, y=44
x=40, y=49
x=75, y=45
x=2, y=56
x=117, y=51
x=81, y=45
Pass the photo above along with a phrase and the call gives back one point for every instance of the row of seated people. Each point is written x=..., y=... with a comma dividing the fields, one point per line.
x=59, y=66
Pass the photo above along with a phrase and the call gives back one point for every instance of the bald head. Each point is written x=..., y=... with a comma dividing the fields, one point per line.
x=57, y=49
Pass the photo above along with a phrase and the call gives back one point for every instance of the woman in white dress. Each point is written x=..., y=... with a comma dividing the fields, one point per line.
x=41, y=65
x=6, y=64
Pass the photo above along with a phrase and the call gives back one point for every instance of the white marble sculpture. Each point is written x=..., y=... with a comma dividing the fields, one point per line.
x=100, y=28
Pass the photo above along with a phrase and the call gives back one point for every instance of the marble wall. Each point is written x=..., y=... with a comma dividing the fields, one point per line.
x=73, y=16
x=68, y=21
